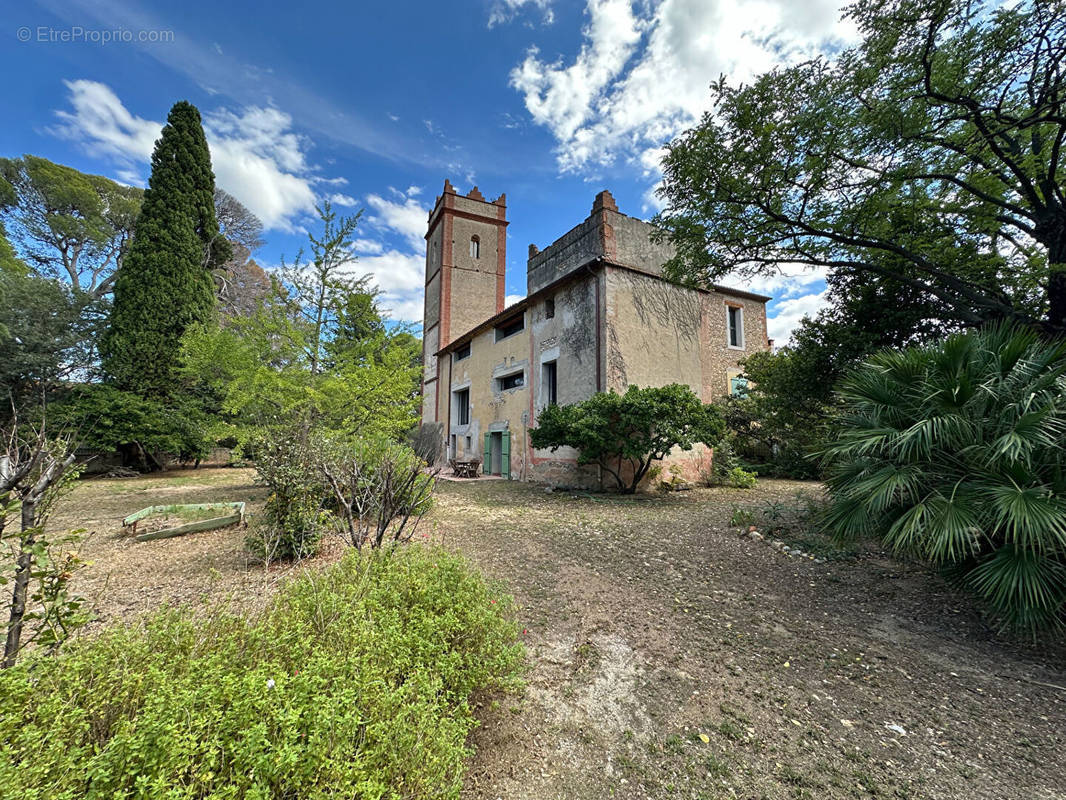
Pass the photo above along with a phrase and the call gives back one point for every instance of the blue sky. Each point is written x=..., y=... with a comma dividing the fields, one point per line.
x=374, y=105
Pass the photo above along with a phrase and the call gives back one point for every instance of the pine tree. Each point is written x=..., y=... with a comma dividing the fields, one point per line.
x=165, y=283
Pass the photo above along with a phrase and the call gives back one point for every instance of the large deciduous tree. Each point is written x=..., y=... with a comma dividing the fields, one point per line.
x=313, y=354
x=166, y=285
x=242, y=284
x=929, y=155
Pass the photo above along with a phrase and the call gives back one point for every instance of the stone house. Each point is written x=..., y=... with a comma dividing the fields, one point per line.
x=597, y=316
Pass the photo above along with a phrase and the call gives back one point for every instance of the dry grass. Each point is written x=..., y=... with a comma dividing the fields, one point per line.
x=669, y=657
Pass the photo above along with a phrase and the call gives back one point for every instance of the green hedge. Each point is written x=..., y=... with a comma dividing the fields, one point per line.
x=356, y=682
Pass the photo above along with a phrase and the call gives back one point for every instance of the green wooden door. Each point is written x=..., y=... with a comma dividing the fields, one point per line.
x=505, y=454
x=486, y=465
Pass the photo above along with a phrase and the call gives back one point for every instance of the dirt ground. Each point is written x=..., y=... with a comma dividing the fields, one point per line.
x=668, y=657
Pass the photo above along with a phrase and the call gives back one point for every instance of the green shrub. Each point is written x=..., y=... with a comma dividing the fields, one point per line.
x=380, y=488
x=726, y=469
x=355, y=682
x=954, y=452
x=625, y=433
x=294, y=517
x=740, y=478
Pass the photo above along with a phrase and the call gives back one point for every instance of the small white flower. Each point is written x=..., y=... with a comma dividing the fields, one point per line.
x=270, y=683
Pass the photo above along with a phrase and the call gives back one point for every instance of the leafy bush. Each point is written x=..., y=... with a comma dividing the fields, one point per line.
x=293, y=518
x=740, y=478
x=625, y=433
x=772, y=424
x=356, y=682
x=954, y=452
x=147, y=431
x=726, y=470
x=379, y=487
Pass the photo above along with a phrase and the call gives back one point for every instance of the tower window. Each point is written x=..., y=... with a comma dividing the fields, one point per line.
x=735, y=325
x=475, y=247
x=549, y=308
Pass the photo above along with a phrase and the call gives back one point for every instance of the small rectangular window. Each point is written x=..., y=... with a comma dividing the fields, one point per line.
x=515, y=381
x=738, y=385
x=462, y=407
x=549, y=308
x=551, y=385
x=463, y=351
x=511, y=327
x=736, y=326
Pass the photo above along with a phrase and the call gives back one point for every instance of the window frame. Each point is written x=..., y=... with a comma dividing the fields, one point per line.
x=738, y=311
x=475, y=247
x=462, y=352
x=500, y=380
x=501, y=329
x=550, y=382
x=549, y=308
x=462, y=409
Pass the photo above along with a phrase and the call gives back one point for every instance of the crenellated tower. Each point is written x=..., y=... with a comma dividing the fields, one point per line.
x=466, y=258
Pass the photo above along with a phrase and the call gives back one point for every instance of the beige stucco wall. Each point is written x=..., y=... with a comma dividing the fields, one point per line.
x=571, y=339
x=490, y=409
x=653, y=332
x=473, y=285
x=659, y=333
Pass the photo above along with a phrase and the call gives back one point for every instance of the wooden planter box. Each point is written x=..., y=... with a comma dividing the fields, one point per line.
x=235, y=515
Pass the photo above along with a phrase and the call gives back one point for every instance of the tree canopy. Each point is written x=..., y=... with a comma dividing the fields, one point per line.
x=929, y=155
x=625, y=433
x=67, y=224
x=165, y=285
x=315, y=352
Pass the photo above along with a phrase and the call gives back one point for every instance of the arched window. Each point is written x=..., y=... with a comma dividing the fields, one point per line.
x=475, y=247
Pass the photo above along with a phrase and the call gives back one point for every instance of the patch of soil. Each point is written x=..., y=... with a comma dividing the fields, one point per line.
x=671, y=658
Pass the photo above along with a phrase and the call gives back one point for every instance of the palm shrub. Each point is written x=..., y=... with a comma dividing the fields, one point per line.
x=954, y=452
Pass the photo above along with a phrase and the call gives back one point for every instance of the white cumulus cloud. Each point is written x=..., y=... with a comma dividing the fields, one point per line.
x=255, y=153
x=406, y=217
x=787, y=315
x=392, y=252
x=644, y=68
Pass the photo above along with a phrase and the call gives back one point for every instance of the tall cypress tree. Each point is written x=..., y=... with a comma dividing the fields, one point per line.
x=165, y=282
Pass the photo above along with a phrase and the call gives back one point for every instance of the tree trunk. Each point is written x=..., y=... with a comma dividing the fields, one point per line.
x=1056, y=294
x=22, y=584
x=1053, y=235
